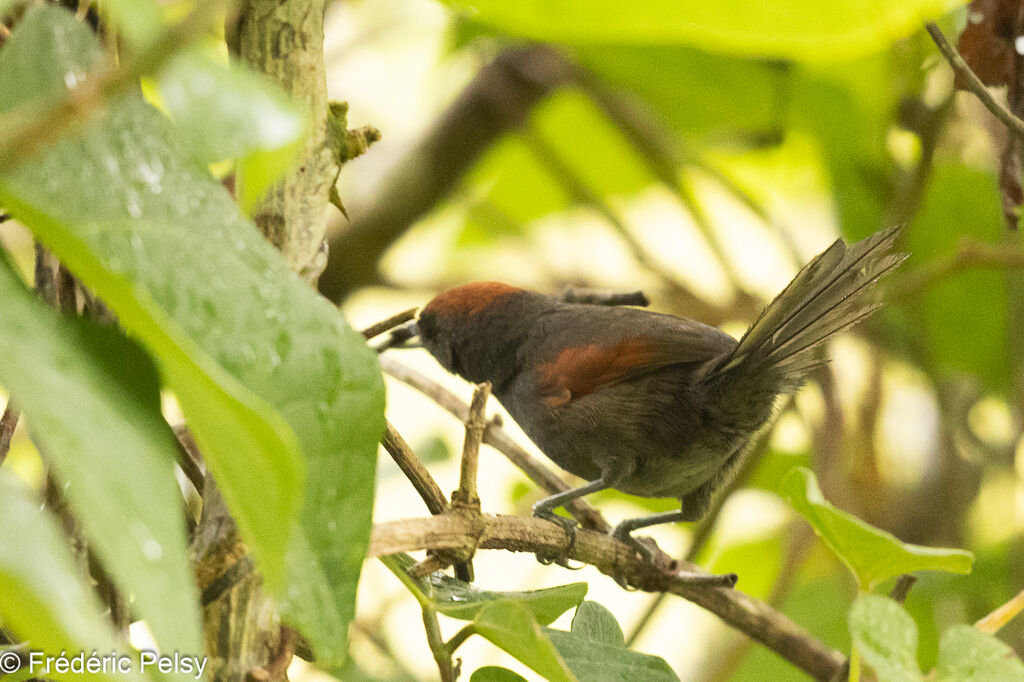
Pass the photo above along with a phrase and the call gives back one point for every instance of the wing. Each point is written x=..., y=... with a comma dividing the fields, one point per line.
x=632, y=343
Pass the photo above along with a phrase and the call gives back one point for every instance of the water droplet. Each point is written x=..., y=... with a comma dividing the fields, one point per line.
x=132, y=204
x=152, y=550
x=332, y=525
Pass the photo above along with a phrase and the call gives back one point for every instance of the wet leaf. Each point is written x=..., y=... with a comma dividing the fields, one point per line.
x=92, y=402
x=43, y=599
x=270, y=377
x=458, y=599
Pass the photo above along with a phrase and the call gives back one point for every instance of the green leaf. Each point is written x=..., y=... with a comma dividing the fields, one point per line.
x=139, y=22
x=43, y=599
x=791, y=29
x=511, y=627
x=595, y=622
x=493, y=673
x=967, y=654
x=270, y=377
x=228, y=111
x=518, y=185
x=886, y=637
x=591, y=660
x=136, y=245
x=93, y=404
x=457, y=599
x=61, y=51
x=871, y=554
x=725, y=96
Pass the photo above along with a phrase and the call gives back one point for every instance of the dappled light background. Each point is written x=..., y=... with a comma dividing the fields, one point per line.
x=913, y=428
x=705, y=176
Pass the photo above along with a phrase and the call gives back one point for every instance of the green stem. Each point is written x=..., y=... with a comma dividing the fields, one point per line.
x=461, y=636
x=442, y=655
x=854, y=664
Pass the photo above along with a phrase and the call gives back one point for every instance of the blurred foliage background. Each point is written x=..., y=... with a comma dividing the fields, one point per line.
x=702, y=153
x=705, y=172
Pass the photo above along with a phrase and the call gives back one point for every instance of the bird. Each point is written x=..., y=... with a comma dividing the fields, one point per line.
x=647, y=403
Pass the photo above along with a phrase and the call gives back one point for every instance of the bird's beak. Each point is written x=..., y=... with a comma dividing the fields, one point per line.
x=403, y=336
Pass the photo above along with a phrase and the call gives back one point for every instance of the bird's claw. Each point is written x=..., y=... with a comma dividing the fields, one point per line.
x=623, y=534
x=560, y=558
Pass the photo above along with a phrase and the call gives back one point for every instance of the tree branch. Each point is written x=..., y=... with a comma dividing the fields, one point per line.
x=519, y=534
x=499, y=439
x=476, y=425
x=8, y=423
x=497, y=100
x=414, y=470
x=969, y=254
x=974, y=84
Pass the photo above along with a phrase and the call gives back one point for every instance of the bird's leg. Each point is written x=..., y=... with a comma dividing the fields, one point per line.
x=545, y=509
x=623, y=531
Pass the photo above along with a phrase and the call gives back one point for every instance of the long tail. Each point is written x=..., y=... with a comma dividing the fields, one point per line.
x=828, y=295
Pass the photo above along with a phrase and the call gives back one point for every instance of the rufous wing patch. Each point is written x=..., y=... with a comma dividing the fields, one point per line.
x=580, y=370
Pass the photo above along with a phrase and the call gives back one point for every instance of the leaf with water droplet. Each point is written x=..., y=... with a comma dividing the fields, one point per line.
x=228, y=111
x=43, y=599
x=92, y=400
x=458, y=599
x=194, y=303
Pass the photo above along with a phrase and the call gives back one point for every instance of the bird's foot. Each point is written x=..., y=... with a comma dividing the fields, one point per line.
x=653, y=557
x=559, y=557
x=623, y=533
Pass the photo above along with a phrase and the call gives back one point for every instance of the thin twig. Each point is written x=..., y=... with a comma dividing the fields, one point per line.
x=581, y=192
x=476, y=425
x=663, y=156
x=414, y=470
x=703, y=529
x=461, y=636
x=386, y=325
x=1002, y=615
x=500, y=440
x=800, y=541
x=969, y=254
x=751, y=616
x=902, y=587
x=974, y=84
x=8, y=422
x=596, y=297
x=189, y=458
x=430, y=493
x=432, y=563
x=442, y=655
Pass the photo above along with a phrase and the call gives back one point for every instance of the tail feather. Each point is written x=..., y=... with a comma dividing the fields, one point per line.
x=827, y=296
